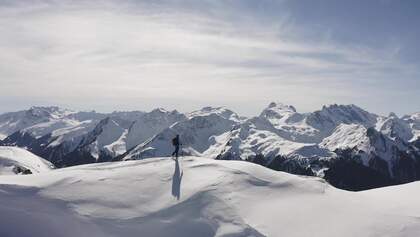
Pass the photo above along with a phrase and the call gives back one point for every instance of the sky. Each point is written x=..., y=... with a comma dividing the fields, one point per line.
x=187, y=54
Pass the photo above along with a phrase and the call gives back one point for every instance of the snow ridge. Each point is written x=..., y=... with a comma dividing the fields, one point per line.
x=198, y=197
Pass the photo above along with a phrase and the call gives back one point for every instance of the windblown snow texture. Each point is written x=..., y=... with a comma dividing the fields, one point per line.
x=198, y=197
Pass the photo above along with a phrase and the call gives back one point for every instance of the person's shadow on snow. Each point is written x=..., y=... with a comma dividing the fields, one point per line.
x=176, y=181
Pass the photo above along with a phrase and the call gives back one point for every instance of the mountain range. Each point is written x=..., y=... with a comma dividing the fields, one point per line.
x=346, y=145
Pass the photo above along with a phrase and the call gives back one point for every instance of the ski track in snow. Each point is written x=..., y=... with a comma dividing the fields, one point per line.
x=198, y=197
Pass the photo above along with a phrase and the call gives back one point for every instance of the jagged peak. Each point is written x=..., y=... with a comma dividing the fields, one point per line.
x=161, y=113
x=220, y=111
x=335, y=107
x=414, y=116
x=394, y=127
x=49, y=108
x=159, y=110
x=48, y=111
x=346, y=113
x=104, y=121
x=393, y=115
x=281, y=106
x=278, y=111
x=211, y=109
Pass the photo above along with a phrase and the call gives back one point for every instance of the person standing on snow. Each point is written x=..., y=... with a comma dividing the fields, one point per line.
x=175, y=143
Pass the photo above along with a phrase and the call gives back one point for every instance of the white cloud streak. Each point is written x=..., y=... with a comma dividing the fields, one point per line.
x=141, y=55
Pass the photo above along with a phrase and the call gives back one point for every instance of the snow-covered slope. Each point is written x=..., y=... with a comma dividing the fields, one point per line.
x=52, y=132
x=279, y=137
x=68, y=138
x=256, y=137
x=14, y=157
x=327, y=119
x=15, y=121
x=347, y=136
x=40, y=121
x=283, y=139
x=219, y=111
x=151, y=124
x=106, y=137
x=113, y=136
x=198, y=197
x=288, y=123
x=414, y=122
x=199, y=133
x=388, y=154
x=395, y=128
x=313, y=127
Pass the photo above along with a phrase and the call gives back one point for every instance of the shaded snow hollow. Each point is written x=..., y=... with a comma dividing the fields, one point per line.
x=197, y=197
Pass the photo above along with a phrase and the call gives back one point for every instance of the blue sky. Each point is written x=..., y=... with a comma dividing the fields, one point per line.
x=127, y=55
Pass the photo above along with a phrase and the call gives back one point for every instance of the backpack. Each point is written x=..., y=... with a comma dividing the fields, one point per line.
x=174, y=141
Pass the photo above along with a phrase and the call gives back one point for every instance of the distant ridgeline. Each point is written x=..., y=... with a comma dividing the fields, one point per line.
x=348, y=146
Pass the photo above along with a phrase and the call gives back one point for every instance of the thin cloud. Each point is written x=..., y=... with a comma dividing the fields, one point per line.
x=141, y=54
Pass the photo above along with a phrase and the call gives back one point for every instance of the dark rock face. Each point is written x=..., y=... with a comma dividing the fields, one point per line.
x=350, y=174
x=402, y=168
x=347, y=171
x=21, y=170
x=292, y=166
x=76, y=157
x=39, y=147
x=417, y=143
x=392, y=159
x=406, y=168
x=20, y=139
x=378, y=164
x=230, y=156
x=259, y=159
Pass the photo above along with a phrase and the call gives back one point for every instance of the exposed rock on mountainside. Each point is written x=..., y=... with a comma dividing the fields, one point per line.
x=321, y=143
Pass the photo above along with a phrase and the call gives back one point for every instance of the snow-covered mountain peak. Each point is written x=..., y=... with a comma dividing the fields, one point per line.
x=160, y=113
x=255, y=137
x=150, y=124
x=346, y=136
x=219, y=111
x=412, y=118
x=278, y=133
x=281, y=107
x=332, y=115
x=416, y=116
x=279, y=114
x=199, y=132
x=393, y=115
x=48, y=112
x=43, y=118
x=413, y=121
x=128, y=115
x=159, y=110
x=394, y=127
x=349, y=109
x=105, y=137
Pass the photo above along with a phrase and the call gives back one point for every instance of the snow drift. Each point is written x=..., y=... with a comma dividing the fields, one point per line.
x=13, y=158
x=198, y=197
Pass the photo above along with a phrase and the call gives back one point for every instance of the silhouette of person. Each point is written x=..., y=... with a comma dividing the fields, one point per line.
x=175, y=143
